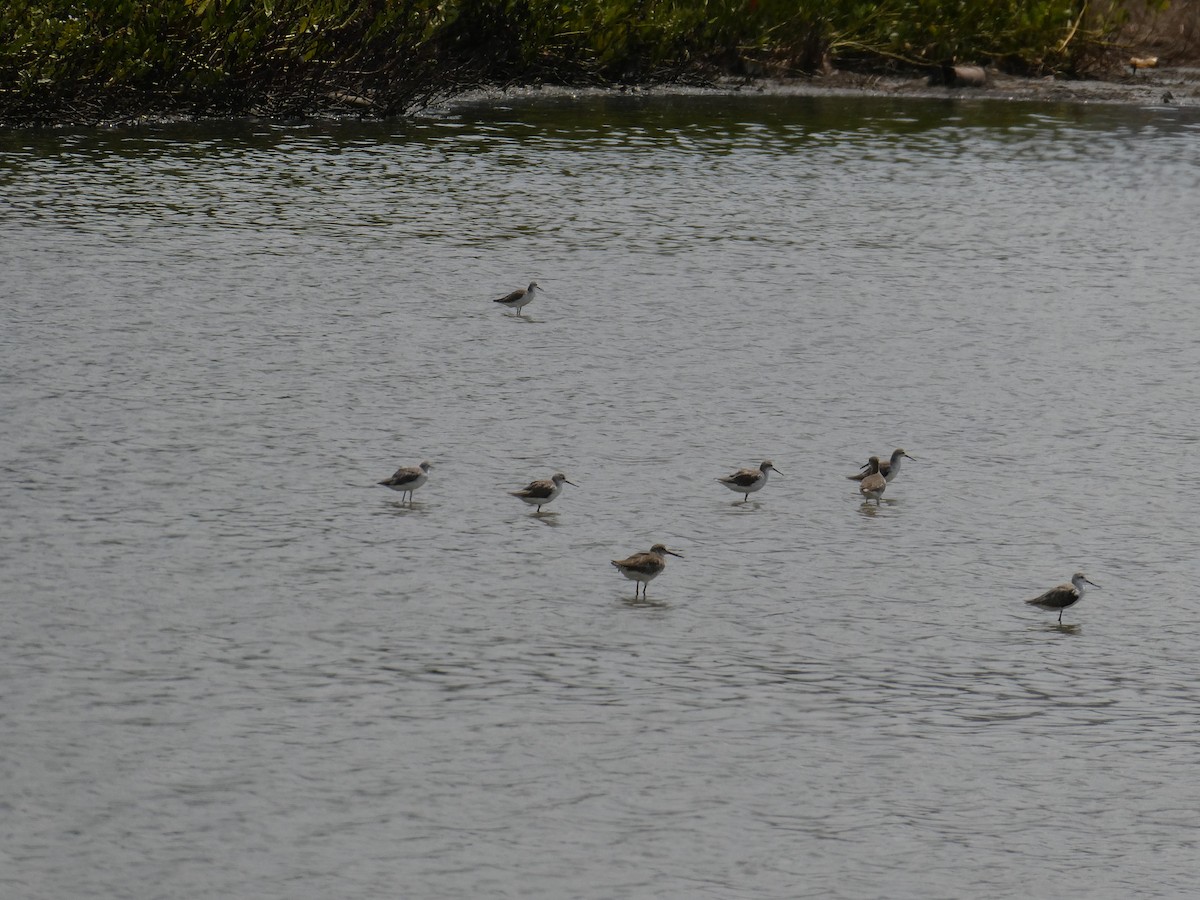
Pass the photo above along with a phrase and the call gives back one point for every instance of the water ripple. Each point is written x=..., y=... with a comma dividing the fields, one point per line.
x=234, y=665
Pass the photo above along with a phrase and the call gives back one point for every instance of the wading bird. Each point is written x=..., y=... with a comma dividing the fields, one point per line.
x=539, y=493
x=1064, y=595
x=407, y=479
x=888, y=470
x=873, y=484
x=644, y=567
x=520, y=297
x=747, y=481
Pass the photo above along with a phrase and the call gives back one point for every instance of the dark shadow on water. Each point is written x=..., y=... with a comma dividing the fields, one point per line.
x=644, y=603
x=746, y=505
x=397, y=507
x=1064, y=628
x=1072, y=628
x=546, y=518
x=870, y=509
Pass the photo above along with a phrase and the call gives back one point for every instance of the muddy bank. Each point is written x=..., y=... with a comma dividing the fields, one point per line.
x=1177, y=86
x=1142, y=87
x=1172, y=86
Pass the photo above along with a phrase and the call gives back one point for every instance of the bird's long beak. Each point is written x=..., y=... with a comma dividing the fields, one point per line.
x=1092, y=583
x=673, y=553
x=569, y=481
x=910, y=457
x=866, y=465
x=776, y=471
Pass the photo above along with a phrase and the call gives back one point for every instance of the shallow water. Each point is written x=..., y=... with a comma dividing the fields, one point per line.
x=233, y=666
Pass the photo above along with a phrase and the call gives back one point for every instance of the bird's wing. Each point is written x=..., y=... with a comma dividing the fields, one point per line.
x=1063, y=595
x=743, y=477
x=872, y=482
x=511, y=298
x=639, y=562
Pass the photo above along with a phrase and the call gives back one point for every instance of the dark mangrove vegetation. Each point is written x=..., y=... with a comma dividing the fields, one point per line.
x=96, y=60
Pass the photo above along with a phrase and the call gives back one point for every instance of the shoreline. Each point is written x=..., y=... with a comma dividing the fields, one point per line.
x=245, y=61
x=1177, y=86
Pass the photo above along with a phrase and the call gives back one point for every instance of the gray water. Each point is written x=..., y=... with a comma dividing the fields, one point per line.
x=232, y=666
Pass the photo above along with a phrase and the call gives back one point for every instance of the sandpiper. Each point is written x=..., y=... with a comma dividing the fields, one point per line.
x=407, y=479
x=888, y=470
x=873, y=484
x=1064, y=595
x=747, y=481
x=539, y=493
x=520, y=297
x=644, y=567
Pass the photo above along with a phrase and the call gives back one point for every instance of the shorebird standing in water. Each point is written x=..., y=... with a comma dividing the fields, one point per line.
x=747, y=481
x=1064, y=595
x=644, y=567
x=873, y=484
x=520, y=297
x=407, y=479
x=888, y=470
x=539, y=493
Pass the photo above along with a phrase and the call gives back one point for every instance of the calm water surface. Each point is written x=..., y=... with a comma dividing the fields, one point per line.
x=231, y=666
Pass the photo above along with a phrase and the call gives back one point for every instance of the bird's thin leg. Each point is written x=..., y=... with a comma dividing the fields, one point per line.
x=1060, y=612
